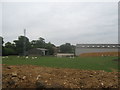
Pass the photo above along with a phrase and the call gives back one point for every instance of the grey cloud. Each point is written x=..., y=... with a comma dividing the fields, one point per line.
x=61, y=22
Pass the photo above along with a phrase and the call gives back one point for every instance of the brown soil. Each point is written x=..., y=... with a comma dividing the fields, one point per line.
x=28, y=76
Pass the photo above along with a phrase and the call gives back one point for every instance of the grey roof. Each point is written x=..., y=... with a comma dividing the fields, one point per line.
x=98, y=46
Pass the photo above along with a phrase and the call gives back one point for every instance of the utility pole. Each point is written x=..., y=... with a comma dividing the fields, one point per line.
x=24, y=46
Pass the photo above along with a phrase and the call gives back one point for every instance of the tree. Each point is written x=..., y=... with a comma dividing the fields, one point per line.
x=9, y=49
x=19, y=44
x=1, y=40
x=40, y=43
x=9, y=45
x=50, y=48
x=1, y=45
x=66, y=48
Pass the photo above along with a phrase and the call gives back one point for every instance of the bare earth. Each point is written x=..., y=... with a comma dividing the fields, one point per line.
x=28, y=76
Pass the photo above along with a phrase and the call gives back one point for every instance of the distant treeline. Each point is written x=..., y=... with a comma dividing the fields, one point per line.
x=17, y=47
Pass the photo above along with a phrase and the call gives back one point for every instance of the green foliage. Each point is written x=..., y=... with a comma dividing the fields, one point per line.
x=1, y=40
x=9, y=51
x=67, y=48
x=9, y=45
x=23, y=44
x=20, y=44
x=40, y=43
x=1, y=45
x=50, y=48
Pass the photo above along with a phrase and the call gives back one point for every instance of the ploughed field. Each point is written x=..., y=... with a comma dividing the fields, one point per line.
x=29, y=76
x=53, y=72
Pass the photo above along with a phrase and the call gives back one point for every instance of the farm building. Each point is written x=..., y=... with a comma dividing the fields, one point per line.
x=97, y=49
x=65, y=55
x=38, y=52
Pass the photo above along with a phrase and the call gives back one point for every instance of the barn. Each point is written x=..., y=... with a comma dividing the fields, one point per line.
x=97, y=49
x=38, y=52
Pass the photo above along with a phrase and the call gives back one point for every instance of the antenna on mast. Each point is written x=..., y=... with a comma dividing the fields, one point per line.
x=25, y=32
x=24, y=46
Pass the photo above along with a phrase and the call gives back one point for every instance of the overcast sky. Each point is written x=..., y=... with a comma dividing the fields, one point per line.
x=62, y=22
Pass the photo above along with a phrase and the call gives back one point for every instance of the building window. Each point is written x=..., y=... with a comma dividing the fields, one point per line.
x=98, y=46
x=83, y=46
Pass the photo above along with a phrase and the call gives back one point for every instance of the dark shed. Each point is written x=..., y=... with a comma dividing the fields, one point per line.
x=38, y=51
